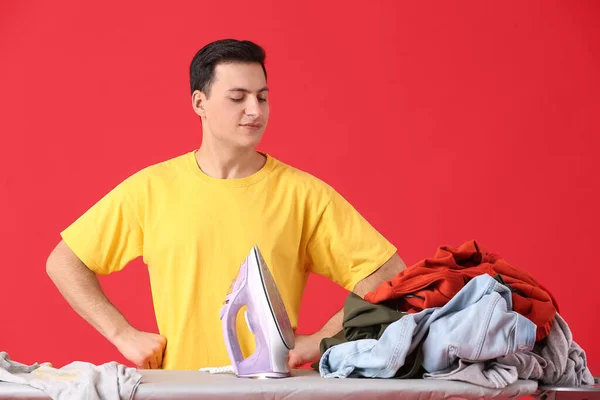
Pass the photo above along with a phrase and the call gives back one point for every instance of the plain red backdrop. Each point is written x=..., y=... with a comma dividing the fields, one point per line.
x=441, y=122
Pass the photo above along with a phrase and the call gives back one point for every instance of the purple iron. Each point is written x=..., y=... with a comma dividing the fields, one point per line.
x=266, y=318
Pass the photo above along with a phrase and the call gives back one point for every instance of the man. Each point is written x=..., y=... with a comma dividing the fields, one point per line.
x=194, y=219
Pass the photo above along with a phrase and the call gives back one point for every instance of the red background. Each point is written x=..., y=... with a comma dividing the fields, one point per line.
x=440, y=122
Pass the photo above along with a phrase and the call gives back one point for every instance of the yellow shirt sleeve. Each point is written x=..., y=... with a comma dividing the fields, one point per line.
x=108, y=235
x=344, y=246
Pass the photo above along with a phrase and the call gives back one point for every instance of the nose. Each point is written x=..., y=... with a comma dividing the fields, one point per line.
x=253, y=107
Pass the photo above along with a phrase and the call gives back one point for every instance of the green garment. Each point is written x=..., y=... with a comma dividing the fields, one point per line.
x=364, y=320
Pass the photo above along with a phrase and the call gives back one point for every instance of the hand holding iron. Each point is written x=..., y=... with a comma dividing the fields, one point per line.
x=306, y=350
x=144, y=349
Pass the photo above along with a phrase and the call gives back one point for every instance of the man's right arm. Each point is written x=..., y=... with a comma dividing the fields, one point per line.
x=81, y=289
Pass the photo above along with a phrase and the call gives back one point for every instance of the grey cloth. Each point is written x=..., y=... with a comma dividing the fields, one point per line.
x=11, y=366
x=487, y=374
x=78, y=380
x=557, y=360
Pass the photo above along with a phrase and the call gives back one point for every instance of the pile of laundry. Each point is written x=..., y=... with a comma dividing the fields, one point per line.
x=77, y=380
x=464, y=314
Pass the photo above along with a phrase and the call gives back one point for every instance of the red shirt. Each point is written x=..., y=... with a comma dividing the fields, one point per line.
x=433, y=281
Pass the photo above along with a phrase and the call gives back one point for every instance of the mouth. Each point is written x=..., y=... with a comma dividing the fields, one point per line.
x=252, y=126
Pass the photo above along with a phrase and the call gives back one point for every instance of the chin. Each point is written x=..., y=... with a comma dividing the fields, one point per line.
x=247, y=143
x=250, y=140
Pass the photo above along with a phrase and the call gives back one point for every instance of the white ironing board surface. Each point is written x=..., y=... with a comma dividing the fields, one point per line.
x=304, y=384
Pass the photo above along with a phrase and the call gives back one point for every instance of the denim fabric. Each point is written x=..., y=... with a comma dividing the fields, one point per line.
x=477, y=324
x=481, y=331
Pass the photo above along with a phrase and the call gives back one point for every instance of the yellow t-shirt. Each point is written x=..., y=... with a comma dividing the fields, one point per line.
x=194, y=231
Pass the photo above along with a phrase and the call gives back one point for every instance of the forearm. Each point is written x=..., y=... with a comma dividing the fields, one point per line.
x=386, y=272
x=332, y=326
x=81, y=289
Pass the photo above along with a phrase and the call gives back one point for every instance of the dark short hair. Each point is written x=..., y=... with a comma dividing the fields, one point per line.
x=202, y=68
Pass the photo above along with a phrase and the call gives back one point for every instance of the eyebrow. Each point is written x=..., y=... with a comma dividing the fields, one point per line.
x=265, y=89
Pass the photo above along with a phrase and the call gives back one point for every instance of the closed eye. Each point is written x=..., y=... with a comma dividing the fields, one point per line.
x=242, y=99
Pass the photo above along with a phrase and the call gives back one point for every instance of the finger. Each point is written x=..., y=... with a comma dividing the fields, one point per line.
x=161, y=354
x=140, y=363
x=292, y=361
x=145, y=364
x=157, y=361
x=152, y=363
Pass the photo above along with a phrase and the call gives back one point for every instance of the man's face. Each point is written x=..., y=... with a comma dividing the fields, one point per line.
x=236, y=111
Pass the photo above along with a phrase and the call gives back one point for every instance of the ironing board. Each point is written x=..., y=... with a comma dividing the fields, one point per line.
x=307, y=384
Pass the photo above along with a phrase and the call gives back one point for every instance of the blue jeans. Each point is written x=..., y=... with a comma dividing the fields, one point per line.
x=477, y=324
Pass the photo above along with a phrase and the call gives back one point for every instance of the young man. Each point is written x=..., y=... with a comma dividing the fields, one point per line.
x=194, y=219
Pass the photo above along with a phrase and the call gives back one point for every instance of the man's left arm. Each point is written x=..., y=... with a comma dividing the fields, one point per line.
x=307, y=346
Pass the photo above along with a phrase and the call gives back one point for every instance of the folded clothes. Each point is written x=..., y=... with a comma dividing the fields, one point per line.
x=77, y=380
x=432, y=282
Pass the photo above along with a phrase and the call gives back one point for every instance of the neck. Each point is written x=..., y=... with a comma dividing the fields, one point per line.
x=228, y=163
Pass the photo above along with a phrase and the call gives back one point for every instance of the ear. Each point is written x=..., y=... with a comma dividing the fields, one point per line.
x=198, y=103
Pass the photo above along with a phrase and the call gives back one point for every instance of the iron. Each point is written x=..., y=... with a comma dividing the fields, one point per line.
x=266, y=317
